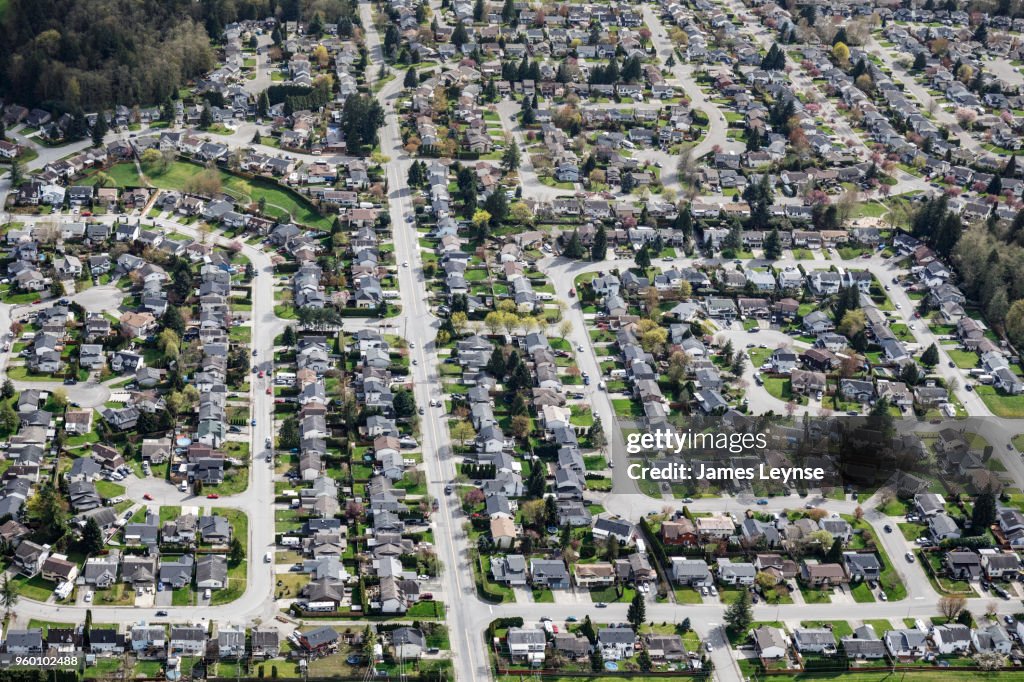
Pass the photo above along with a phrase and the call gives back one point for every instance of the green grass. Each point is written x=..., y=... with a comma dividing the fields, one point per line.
x=1002, y=405
x=108, y=489
x=687, y=595
x=279, y=201
x=862, y=593
x=813, y=596
x=964, y=359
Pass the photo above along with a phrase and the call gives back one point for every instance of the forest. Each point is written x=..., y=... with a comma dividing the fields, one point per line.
x=67, y=55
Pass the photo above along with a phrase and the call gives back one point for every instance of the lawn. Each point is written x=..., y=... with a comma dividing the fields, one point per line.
x=964, y=359
x=778, y=387
x=813, y=596
x=108, y=489
x=609, y=594
x=1002, y=405
x=33, y=588
x=279, y=201
x=862, y=593
x=688, y=595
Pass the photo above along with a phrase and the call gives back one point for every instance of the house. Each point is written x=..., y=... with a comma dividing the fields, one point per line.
x=526, y=645
x=770, y=642
x=692, y=572
x=616, y=643
x=510, y=570
x=187, y=640
x=862, y=566
x=1004, y=565
x=597, y=574
x=740, y=573
x=212, y=572
x=408, y=642
x=550, y=573
x=266, y=642
x=992, y=637
x=906, y=643
x=864, y=645
x=814, y=641
x=942, y=527
x=951, y=638
x=321, y=639
x=29, y=557
x=963, y=565
x=24, y=641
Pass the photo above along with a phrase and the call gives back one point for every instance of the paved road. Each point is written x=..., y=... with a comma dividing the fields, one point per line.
x=419, y=327
x=257, y=501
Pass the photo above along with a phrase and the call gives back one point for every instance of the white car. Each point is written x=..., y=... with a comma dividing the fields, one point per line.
x=405, y=264
x=899, y=306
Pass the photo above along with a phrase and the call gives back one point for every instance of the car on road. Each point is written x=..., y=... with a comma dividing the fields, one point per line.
x=570, y=619
x=951, y=363
x=421, y=410
x=70, y=381
x=887, y=528
x=270, y=391
x=762, y=501
x=708, y=647
x=147, y=496
x=687, y=500
x=969, y=387
x=909, y=557
x=261, y=374
x=447, y=490
x=412, y=345
x=579, y=348
x=601, y=605
x=405, y=264
x=415, y=361
x=212, y=496
x=254, y=352
x=899, y=306
x=252, y=422
x=161, y=613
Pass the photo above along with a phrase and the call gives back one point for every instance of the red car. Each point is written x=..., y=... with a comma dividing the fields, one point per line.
x=212, y=496
x=269, y=391
x=261, y=374
x=147, y=496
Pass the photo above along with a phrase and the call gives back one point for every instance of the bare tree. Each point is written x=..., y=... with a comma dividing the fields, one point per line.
x=950, y=606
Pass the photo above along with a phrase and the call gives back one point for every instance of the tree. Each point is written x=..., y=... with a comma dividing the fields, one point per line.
x=574, y=249
x=411, y=79
x=596, y=434
x=950, y=606
x=984, y=513
x=739, y=616
x=17, y=175
x=8, y=595
x=521, y=426
x=644, y=659
x=99, y=130
x=611, y=548
x=7, y=390
x=510, y=158
x=9, y=421
x=637, y=612
x=841, y=53
x=599, y=248
x=643, y=258
x=237, y=552
x=92, y=537
x=361, y=116
x=930, y=357
x=206, y=117
x=773, y=245
x=834, y=555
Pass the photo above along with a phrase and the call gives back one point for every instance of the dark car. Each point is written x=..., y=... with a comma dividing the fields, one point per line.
x=161, y=613
x=887, y=528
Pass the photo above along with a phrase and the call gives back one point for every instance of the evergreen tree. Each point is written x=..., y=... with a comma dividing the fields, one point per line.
x=995, y=185
x=528, y=115
x=92, y=537
x=599, y=249
x=510, y=158
x=7, y=391
x=930, y=357
x=459, y=35
x=535, y=483
x=478, y=10
x=739, y=616
x=508, y=11
x=1010, y=170
x=642, y=258
x=99, y=130
x=206, y=117
x=574, y=249
x=984, y=513
x=637, y=612
x=773, y=245
x=411, y=80
x=920, y=61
